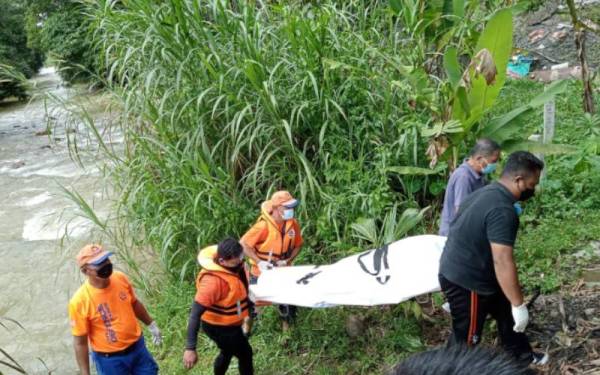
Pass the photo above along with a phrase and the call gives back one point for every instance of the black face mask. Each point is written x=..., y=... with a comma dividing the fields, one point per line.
x=526, y=194
x=105, y=271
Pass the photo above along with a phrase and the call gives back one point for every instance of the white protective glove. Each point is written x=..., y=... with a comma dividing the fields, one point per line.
x=263, y=265
x=521, y=317
x=281, y=263
x=156, y=336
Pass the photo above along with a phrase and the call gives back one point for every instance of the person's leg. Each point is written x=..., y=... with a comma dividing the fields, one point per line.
x=293, y=311
x=468, y=311
x=515, y=343
x=240, y=347
x=219, y=336
x=143, y=362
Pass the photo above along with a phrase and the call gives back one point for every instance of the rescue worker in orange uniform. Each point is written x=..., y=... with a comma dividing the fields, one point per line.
x=274, y=241
x=221, y=304
x=104, y=314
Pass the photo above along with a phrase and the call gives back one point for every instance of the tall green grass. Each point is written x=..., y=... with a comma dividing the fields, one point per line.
x=226, y=102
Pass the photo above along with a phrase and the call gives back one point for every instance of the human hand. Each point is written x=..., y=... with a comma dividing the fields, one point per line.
x=156, y=336
x=263, y=265
x=190, y=358
x=521, y=317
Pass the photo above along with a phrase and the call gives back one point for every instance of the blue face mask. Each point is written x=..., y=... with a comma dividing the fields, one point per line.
x=518, y=208
x=288, y=214
x=490, y=168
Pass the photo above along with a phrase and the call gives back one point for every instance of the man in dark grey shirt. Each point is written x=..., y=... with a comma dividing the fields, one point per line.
x=478, y=274
x=467, y=178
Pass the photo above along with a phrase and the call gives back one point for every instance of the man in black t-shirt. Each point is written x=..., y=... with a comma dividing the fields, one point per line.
x=478, y=274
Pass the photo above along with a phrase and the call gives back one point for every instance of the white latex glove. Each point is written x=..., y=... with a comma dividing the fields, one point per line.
x=521, y=317
x=281, y=263
x=263, y=265
x=156, y=336
x=446, y=307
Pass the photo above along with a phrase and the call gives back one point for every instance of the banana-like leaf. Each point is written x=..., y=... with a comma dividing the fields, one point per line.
x=497, y=40
x=452, y=67
x=409, y=219
x=365, y=229
x=539, y=148
x=415, y=171
x=502, y=127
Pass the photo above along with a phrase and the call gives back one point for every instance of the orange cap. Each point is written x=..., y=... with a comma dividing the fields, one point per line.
x=92, y=254
x=283, y=198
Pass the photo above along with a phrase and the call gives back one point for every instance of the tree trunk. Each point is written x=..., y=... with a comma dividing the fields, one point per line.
x=588, y=96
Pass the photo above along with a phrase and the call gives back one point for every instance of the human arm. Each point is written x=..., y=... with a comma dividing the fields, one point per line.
x=462, y=189
x=142, y=314
x=190, y=357
x=255, y=236
x=209, y=290
x=249, y=251
x=502, y=225
x=80, y=344
x=506, y=273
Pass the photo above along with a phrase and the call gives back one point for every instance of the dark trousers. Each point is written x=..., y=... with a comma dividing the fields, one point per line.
x=232, y=342
x=287, y=313
x=469, y=310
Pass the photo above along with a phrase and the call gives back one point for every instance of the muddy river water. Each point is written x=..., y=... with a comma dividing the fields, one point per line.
x=37, y=269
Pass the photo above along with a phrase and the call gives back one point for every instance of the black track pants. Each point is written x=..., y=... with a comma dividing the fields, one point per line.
x=232, y=342
x=469, y=310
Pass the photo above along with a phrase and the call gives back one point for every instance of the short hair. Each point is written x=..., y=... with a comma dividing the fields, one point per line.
x=462, y=360
x=522, y=163
x=229, y=248
x=485, y=147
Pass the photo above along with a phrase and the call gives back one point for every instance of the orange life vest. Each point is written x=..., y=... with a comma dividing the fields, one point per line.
x=280, y=242
x=231, y=310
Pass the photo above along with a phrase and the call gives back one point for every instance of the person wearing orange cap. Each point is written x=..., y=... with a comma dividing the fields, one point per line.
x=103, y=314
x=220, y=305
x=274, y=241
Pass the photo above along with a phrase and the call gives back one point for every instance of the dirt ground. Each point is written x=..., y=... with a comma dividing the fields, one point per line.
x=565, y=324
x=547, y=34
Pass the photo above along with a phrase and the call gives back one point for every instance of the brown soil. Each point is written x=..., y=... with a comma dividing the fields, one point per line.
x=565, y=324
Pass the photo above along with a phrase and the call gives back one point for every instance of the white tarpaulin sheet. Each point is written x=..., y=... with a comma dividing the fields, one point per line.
x=388, y=275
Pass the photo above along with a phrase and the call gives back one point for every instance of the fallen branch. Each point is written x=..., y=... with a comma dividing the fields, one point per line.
x=563, y=314
x=536, y=294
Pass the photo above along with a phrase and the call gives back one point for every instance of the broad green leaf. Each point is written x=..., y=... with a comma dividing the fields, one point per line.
x=539, y=148
x=461, y=94
x=452, y=67
x=497, y=39
x=496, y=128
x=492, y=128
x=413, y=171
x=555, y=88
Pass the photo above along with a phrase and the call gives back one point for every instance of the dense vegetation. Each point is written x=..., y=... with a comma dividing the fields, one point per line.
x=33, y=30
x=17, y=59
x=358, y=108
x=226, y=103
x=61, y=29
